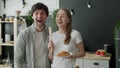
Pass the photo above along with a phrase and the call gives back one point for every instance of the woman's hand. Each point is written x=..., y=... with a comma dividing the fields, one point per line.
x=51, y=46
x=51, y=49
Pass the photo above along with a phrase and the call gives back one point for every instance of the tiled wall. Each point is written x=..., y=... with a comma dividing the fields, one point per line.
x=13, y=5
x=1, y=4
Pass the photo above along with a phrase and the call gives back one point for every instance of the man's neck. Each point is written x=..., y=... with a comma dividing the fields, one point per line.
x=39, y=29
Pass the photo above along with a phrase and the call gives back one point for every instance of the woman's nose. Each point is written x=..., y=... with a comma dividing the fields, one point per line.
x=59, y=18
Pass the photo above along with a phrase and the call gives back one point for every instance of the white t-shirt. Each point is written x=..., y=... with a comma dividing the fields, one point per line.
x=58, y=39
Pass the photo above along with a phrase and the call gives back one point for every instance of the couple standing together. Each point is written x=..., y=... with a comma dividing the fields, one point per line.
x=34, y=50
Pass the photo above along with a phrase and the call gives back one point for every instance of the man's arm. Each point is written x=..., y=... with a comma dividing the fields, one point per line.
x=19, y=51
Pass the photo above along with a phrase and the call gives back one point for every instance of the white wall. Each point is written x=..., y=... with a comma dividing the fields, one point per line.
x=13, y=5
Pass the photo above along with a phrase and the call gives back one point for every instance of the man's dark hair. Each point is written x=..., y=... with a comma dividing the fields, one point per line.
x=39, y=6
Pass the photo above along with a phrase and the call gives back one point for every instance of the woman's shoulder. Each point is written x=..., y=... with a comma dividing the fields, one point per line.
x=75, y=32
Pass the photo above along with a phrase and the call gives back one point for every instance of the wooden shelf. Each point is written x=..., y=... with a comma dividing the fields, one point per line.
x=5, y=66
x=4, y=25
x=6, y=21
x=7, y=44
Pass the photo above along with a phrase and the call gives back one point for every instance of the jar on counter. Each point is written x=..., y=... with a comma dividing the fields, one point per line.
x=107, y=48
x=11, y=19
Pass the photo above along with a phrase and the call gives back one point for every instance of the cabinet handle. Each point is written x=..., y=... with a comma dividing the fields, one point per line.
x=96, y=63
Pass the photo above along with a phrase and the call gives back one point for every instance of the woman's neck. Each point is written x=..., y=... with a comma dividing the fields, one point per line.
x=61, y=30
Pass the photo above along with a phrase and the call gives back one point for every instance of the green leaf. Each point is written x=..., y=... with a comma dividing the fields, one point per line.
x=53, y=18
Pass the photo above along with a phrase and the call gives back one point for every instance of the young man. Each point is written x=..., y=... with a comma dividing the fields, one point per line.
x=31, y=46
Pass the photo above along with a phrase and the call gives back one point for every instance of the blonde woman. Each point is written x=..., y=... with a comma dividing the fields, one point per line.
x=65, y=39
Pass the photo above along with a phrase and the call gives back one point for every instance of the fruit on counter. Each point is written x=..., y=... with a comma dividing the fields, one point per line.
x=101, y=52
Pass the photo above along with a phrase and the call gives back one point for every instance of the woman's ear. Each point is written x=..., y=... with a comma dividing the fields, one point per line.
x=68, y=20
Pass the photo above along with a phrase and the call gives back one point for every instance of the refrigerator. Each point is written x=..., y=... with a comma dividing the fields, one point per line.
x=117, y=48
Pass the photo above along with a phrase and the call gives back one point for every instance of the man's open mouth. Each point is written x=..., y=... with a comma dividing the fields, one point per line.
x=39, y=20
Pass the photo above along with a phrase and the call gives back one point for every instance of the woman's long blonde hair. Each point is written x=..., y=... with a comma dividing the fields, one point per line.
x=68, y=27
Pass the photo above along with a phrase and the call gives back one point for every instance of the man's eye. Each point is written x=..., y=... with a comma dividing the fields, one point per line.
x=36, y=13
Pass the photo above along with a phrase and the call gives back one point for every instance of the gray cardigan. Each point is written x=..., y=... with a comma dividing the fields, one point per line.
x=23, y=50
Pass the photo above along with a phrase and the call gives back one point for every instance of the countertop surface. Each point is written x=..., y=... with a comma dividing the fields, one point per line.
x=97, y=57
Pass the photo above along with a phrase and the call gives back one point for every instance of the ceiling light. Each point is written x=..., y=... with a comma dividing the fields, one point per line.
x=88, y=4
x=71, y=12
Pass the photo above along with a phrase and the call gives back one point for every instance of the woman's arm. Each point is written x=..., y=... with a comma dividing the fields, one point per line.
x=81, y=52
x=50, y=56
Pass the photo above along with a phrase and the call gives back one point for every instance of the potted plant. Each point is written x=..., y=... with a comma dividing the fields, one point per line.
x=117, y=26
x=116, y=29
x=53, y=19
x=28, y=18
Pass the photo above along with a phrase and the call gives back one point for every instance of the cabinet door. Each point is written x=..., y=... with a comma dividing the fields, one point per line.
x=79, y=62
x=96, y=63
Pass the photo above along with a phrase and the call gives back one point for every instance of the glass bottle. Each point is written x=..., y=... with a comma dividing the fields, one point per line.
x=8, y=59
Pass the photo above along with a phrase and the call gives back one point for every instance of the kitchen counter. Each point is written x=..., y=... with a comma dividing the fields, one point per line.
x=91, y=60
x=94, y=56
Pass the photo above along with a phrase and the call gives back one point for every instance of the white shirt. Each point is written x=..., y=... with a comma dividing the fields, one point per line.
x=58, y=39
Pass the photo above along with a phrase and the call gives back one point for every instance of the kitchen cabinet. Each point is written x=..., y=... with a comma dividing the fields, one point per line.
x=90, y=60
x=10, y=28
x=79, y=63
x=88, y=63
x=6, y=27
x=3, y=31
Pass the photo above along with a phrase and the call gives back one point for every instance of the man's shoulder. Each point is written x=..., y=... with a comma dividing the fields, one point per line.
x=26, y=31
